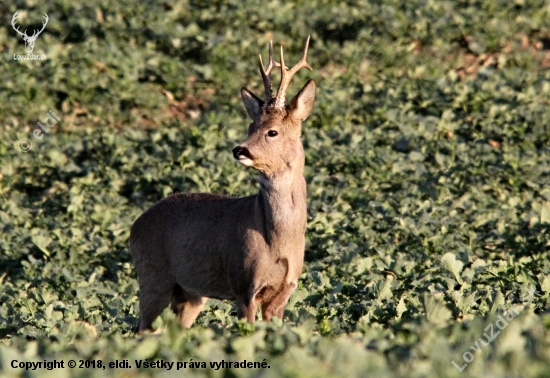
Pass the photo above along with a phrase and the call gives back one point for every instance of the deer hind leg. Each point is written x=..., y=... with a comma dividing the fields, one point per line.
x=186, y=306
x=276, y=305
x=153, y=299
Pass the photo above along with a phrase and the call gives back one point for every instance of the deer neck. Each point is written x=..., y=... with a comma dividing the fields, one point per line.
x=282, y=198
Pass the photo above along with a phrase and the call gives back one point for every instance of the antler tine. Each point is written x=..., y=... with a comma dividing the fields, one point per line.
x=266, y=74
x=286, y=75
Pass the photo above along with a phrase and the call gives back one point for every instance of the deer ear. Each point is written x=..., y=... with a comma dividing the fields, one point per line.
x=300, y=106
x=252, y=103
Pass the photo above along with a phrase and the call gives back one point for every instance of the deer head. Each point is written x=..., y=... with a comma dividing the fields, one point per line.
x=29, y=40
x=273, y=144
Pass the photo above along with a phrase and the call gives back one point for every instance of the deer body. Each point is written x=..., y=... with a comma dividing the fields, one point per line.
x=191, y=247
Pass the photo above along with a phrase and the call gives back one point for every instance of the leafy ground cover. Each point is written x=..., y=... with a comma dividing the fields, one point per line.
x=428, y=168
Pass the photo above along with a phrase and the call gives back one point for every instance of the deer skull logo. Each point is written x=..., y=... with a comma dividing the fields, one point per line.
x=29, y=40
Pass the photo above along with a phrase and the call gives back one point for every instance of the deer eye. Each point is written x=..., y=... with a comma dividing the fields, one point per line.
x=272, y=133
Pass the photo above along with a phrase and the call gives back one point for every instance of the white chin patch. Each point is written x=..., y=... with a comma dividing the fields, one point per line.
x=245, y=161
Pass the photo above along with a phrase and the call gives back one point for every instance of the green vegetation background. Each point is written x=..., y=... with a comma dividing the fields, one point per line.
x=428, y=165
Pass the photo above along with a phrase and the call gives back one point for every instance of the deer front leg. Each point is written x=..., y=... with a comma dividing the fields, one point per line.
x=276, y=305
x=246, y=308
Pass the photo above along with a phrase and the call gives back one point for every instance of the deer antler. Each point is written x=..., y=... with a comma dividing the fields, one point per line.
x=13, y=20
x=35, y=34
x=286, y=75
x=266, y=74
x=43, y=25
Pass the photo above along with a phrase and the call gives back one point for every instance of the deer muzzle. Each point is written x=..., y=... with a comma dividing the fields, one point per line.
x=242, y=155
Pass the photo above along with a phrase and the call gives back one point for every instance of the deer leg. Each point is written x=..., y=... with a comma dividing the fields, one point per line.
x=151, y=303
x=186, y=306
x=246, y=308
x=276, y=305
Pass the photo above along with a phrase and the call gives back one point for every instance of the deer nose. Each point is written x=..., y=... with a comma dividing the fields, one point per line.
x=240, y=151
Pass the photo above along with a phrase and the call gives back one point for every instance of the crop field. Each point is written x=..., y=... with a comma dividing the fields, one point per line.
x=427, y=164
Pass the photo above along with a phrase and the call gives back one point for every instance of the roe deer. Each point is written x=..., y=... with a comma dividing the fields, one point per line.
x=191, y=247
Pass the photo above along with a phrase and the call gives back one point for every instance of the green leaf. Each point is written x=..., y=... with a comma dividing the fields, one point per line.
x=545, y=212
x=435, y=310
x=147, y=348
x=42, y=242
x=450, y=262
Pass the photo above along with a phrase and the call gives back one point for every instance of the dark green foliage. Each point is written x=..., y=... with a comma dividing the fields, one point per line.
x=428, y=164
